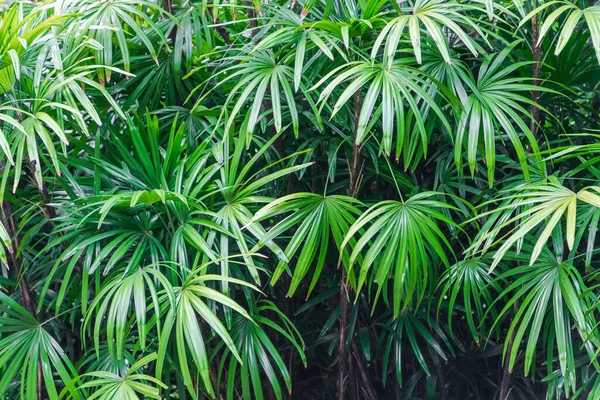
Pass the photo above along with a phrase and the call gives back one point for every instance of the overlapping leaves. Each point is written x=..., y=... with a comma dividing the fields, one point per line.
x=398, y=93
x=434, y=16
x=317, y=218
x=402, y=242
x=495, y=108
x=549, y=299
x=524, y=209
x=573, y=14
x=26, y=349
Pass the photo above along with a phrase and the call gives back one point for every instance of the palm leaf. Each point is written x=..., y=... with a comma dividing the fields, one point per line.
x=402, y=242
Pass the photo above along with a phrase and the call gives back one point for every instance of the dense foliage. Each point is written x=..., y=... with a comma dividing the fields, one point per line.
x=360, y=198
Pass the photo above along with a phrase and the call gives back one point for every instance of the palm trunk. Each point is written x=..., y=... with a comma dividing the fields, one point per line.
x=15, y=261
x=505, y=387
x=344, y=287
x=370, y=393
x=342, y=358
x=252, y=18
x=223, y=32
x=16, y=265
x=355, y=166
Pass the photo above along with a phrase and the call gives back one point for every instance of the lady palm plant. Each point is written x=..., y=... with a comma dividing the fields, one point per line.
x=218, y=199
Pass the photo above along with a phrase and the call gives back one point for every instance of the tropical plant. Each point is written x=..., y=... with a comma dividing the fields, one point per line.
x=306, y=199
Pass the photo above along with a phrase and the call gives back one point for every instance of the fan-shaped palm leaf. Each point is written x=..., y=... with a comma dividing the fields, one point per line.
x=113, y=305
x=105, y=20
x=258, y=353
x=26, y=349
x=37, y=115
x=549, y=296
x=110, y=386
x=261, y=74
x=469, y=283
x=183, y=317
x=532, y=205
x=397, y=85
x=495, y=106
x=403, y=242
x=115, y=230
x=319, y=218
x=415, y=329
x=574, y=14
x=240, y=189
x=435, y=16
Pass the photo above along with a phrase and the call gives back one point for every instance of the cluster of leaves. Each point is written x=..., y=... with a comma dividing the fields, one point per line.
x=377, y=198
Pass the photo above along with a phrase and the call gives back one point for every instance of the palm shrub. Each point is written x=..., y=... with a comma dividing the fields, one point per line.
x=351, y=199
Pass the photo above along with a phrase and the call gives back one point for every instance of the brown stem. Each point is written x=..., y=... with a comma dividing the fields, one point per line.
x=16, y=264
x=537, y=71
x=355, y=166
x=354, y=392
x=505, y=387
x=48, y=209
x=361, y=364
x=50, y=212
x=342, y=344
x=252, y=19
x=344, y=287
x=215, y=382
x=223, y=32
x=168, y=7
x=15, y=261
